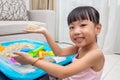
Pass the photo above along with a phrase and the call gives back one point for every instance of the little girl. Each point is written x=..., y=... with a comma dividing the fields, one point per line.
x=88, y=63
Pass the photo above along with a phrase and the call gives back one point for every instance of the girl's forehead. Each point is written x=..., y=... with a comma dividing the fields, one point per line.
x=81, y=21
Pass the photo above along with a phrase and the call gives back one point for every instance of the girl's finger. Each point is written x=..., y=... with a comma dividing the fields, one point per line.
x=18, y=53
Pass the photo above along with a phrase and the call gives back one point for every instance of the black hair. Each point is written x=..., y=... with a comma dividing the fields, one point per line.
x=83, y=13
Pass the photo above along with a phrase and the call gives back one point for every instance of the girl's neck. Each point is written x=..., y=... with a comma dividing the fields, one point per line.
x=89, y=47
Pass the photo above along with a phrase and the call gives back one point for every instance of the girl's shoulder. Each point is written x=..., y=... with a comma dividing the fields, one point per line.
x=95, y=55
x=98, y=52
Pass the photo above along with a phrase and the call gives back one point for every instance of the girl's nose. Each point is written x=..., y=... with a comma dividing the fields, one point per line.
x=77, y=31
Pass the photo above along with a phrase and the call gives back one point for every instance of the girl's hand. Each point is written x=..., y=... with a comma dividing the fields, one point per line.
x=23, y=58
x=37, y=30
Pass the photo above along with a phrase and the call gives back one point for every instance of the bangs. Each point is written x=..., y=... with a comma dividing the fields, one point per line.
x=77, y=17
x=83, y=13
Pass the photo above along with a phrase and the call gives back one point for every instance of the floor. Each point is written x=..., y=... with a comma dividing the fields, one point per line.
x=112, y=68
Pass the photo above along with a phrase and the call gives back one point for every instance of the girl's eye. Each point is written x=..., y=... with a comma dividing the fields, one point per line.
x=71, y=28
x=82, y=25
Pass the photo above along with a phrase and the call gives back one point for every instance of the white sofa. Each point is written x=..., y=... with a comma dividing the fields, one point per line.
x=12, y=30
x=14, y=16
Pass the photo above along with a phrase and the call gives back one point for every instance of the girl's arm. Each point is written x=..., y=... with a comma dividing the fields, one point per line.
x=57, y=49
x=54, y=46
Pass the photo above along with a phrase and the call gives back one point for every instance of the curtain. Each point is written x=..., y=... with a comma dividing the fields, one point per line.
x=112, y=38
x=109, y=10
x=42, y=4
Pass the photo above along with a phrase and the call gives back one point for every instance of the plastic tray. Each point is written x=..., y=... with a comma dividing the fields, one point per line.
x=13, y=71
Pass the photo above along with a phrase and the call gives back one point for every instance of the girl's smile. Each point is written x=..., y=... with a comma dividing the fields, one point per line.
x=79, y=39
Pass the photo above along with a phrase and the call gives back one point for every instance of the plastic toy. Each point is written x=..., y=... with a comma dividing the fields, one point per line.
x=25, y=50
x=34, y=53
x=13, y=60
x=1, y=48
x=51, y=53
x=40, y=55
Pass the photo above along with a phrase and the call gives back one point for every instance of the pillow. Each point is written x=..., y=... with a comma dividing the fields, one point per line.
x=13, y=10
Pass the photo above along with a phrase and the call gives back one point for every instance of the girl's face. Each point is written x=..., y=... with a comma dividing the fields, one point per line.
x=84, y=32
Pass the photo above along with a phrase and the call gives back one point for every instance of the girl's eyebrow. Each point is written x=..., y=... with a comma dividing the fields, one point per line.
x=70, y=25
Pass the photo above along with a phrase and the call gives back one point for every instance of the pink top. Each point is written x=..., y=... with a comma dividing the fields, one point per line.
x=88, y=74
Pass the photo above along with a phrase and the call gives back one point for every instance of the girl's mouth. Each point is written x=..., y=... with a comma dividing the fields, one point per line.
x=79, y=39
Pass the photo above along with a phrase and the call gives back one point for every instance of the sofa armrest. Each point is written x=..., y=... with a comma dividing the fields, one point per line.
x=45, y=16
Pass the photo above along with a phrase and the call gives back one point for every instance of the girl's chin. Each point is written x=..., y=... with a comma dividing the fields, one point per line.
x=78, y=44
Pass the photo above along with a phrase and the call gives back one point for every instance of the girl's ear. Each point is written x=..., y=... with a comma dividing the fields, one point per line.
x=98, y=28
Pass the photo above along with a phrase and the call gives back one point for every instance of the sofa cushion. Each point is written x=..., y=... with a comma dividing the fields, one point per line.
x=13, y=10
x=15, y=27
